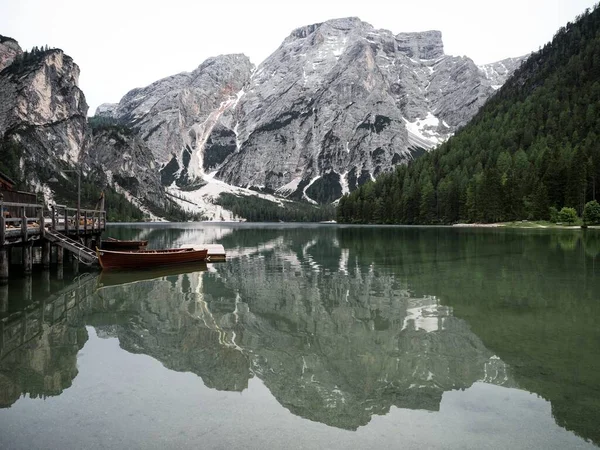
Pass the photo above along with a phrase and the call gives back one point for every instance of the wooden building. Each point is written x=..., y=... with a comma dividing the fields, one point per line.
x=9, y=194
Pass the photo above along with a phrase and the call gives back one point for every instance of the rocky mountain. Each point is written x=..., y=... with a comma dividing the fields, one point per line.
x=44, y=131
x=43, y=112
x=334, y=106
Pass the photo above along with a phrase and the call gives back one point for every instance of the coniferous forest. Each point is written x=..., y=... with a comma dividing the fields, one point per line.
x=531, y=151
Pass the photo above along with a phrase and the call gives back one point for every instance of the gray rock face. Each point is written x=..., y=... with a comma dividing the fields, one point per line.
x=129, y=163
x=334, y=106
x=43, y=111
x=174, y=116
x=425, y=45
x=499, y=71
x=9, y=49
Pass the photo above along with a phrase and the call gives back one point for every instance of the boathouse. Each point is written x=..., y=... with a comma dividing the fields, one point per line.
x=27, y=226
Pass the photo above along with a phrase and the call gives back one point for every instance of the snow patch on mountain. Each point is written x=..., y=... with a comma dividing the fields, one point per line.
x=423, y=132
x=203, y=201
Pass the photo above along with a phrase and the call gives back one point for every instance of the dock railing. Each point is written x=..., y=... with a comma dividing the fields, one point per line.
x=27, y=225
x=60, y=218
x=65, y=219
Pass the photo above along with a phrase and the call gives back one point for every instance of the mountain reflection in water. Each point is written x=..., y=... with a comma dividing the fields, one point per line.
x=341, y=324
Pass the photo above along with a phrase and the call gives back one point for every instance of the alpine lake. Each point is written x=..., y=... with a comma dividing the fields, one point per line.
x=312, y=336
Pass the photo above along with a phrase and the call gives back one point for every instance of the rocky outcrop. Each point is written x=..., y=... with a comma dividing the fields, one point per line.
x=43, y=113
x=9, y=50
x=425, y=45
x=499, y=71
x=128, y=163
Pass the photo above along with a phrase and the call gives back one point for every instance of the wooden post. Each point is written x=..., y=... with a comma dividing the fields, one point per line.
x=66, y=221
x=4, y=262
x=85, y=219
x=53, y=217
x=23, y=224
x=60, y=255
x=27, y=258
x=2, y=223
x=75, y=261
x=42, y=222
x=46, y=249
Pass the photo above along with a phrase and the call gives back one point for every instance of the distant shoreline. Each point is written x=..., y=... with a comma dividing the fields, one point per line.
x=523, y=224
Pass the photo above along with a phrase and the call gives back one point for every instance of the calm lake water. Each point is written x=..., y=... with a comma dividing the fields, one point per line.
x=314, y=336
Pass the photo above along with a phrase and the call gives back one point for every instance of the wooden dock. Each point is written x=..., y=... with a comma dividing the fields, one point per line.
x=29, y=227
x=216, y=252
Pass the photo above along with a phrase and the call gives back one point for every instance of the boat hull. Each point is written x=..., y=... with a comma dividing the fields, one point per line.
x=144, y=259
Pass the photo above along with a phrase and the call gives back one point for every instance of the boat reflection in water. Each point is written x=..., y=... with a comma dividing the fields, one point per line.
x=118, y=277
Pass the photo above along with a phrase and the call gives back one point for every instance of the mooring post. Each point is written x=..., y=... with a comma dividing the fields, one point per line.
x=60, y=255
x=75, y=260
x=4, y=264
x=27, y=258
x=46, y=249
x=23, y=224
x=42, y=222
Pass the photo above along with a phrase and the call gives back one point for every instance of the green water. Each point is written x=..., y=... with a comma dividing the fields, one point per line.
x=315, y=336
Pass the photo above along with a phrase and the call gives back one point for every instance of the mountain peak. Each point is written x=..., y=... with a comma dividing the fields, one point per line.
x=421, y=45
x=344, y=24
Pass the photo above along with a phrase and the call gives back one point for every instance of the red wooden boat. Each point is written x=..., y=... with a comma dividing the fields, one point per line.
x=144, y=259
x=117, y=244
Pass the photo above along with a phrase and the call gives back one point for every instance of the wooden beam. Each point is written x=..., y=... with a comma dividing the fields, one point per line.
x=27, y=258
x=23, y=224
x=46, y=249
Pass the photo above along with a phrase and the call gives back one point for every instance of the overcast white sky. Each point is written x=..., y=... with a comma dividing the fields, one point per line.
x=123, y=44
